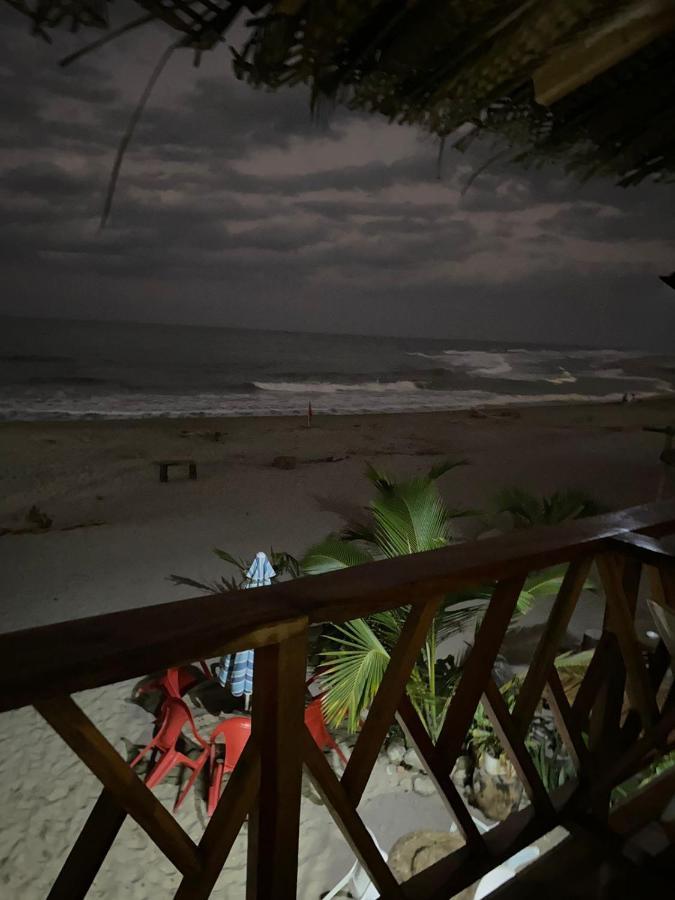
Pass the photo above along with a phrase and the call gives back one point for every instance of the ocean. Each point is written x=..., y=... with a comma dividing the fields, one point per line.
x=58, y=370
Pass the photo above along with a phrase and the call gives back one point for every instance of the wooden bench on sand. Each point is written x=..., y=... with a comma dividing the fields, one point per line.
x=165, y=463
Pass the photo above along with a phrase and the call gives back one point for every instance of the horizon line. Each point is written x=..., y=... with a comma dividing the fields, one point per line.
x=394, y=337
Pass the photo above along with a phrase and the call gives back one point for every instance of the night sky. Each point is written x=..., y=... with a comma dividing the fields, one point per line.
x=236, y=207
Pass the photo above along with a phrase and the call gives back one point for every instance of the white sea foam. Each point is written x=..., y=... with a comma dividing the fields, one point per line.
x=478, y=362
x=281, y=404
x=321, y=387
x=565, y=377
x=521, y=364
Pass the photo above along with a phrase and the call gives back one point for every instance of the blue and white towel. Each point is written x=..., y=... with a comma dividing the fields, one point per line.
x=241, y=677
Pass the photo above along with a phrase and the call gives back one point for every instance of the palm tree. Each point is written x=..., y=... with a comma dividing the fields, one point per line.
x=404, y=517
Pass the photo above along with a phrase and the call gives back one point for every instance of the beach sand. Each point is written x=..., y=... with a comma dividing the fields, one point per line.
x=117, y=533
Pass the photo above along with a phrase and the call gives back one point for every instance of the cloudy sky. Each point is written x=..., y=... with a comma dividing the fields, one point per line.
x=234, y=207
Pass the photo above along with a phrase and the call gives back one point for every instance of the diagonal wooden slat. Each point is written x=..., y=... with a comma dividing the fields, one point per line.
x=666, y=574
x=221, y=832
x=659, y=663
x=632, y=760
x=89, y=850
x=98, y=754
x=477, y=669
x=547, y=648
x=604, y=725
x=277, y=728
x=348, y=821
x=416, y=733
x=630, y=569
x=592, y=680
x=567, y=726
x=514, y=745
x=454, y=873
x=655, y=585
x=621, y=623
x=383, y=708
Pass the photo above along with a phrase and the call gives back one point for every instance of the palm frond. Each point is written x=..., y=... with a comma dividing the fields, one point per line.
x=440, y=469
x=410, y=519
x=455, y=615
x=572, y=668
x=524, y=507
x=572, y=660
x=527, y=509
x=358, y=531
x=333, y=554
x=222, y=585
x=284, y=563
x=354, y=672
x=544, y=584
x=382, y=481
x=183, y=581
x=232, y=560
x=387, y=625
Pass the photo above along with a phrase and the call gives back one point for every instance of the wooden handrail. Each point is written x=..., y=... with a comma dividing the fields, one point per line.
x=43, y=666
x=40, y=663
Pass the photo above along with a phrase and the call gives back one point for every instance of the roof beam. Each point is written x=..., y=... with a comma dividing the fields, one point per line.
x=618, y=37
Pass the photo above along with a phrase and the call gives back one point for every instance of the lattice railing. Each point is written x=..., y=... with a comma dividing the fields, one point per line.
x=617, y=722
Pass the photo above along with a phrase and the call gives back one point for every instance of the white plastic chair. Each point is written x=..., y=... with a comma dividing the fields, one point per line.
x=499, y=876
x=360, y=885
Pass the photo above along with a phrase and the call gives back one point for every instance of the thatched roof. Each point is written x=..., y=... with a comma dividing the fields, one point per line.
x=590, y=82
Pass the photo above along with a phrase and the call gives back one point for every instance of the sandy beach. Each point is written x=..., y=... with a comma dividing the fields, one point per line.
x=117, y=533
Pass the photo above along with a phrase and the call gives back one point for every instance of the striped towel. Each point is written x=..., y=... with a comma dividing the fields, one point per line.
x=241, y=677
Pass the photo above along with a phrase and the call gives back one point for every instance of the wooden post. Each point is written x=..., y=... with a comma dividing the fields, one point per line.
x=278, y=730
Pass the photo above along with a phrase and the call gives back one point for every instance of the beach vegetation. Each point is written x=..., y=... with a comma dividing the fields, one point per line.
x=406, y=516
x=527, y=509
x=282, y=563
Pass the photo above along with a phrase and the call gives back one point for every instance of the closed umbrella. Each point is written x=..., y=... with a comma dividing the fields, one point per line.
x=241, y=677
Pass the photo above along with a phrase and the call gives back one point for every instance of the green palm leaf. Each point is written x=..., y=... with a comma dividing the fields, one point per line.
x=333, y=554
x=410, y=519
x=354, y=671
x=455, y=615
x=544, y=584
x=527, y=509
x=447, y=465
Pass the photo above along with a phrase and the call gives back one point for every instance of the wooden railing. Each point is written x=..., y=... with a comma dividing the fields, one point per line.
x=44, y=666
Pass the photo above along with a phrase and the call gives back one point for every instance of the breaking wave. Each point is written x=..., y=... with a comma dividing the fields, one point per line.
x=322, y=387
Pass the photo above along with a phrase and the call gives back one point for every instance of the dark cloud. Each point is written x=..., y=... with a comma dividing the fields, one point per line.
x=237, y=205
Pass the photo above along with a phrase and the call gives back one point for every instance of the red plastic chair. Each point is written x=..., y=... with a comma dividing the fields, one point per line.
x=316, y=725
x=174, y=715
x=235, y=732
x=315, y=719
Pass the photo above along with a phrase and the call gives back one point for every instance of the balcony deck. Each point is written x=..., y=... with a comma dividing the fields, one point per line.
x=617, y=724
